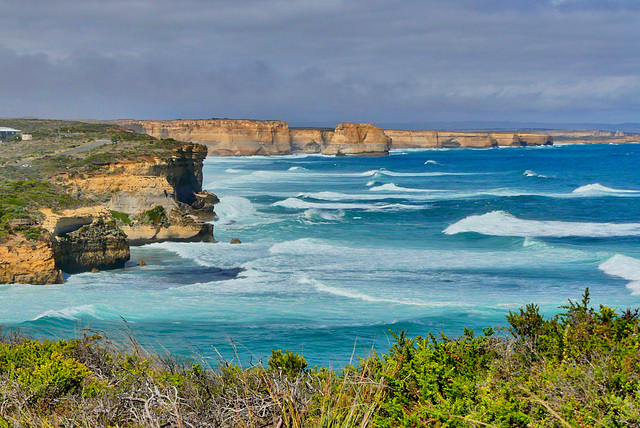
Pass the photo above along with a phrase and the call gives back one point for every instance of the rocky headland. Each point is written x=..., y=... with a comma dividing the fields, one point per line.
x=82, y=213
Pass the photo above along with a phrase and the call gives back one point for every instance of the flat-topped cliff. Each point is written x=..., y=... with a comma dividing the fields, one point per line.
x=444, y=139
x=240, y=137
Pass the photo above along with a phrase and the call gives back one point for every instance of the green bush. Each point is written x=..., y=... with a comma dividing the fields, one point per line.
x=121, y=217
x=287, y=362
x=155, y=216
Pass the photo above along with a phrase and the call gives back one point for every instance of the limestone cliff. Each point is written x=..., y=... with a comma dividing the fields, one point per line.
x=24, y=262
x=443, y=139
x=133, y=188
x=230, y=137
x=357, y=139
x=223, y=137
x=98, y=245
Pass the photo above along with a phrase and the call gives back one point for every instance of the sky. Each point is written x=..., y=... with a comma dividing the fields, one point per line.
x=322, y=61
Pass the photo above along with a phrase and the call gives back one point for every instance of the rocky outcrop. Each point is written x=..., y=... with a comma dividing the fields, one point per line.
x=357, y=139
x=229, y=137
x=29, y=263
x=443, y=139
x=173, y=183
x=99, y=245
x=141, y=234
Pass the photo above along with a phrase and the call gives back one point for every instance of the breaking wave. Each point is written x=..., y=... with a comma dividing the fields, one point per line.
x=624, y=267
x=599, y=189
x=500, y=223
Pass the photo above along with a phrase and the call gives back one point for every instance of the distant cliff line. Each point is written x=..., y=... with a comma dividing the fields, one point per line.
x=243, y=137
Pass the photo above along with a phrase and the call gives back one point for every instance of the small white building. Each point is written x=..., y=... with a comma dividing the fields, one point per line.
x=8, y=132
x=26, y=137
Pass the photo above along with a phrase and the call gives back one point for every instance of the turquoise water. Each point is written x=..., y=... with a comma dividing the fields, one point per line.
x=337, y=251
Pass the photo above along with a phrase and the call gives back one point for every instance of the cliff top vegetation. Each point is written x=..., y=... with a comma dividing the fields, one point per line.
x=580, y=368
x=80, y=140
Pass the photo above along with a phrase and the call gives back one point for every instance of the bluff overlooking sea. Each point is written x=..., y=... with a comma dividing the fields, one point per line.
x=337, y=251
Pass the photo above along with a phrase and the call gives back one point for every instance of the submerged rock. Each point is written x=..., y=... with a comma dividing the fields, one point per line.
x=235, y=241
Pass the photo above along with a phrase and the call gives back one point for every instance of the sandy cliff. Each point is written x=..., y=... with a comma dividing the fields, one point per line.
x=24, y=262
x=223, y=137
x=443, y=139
x=230, y=137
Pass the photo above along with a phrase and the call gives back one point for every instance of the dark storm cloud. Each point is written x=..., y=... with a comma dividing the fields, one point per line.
x=322, y=61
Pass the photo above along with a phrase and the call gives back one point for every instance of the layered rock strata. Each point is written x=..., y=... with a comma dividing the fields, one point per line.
x=29, y=263
x=133, y=188
x=229, y=137
x=441, y=139
x=98, y=245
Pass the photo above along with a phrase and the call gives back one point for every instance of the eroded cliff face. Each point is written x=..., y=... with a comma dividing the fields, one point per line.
x=98, y=245
x=24, y=262
x=230, y=137
x=223, y=137
x=357, y=139
x=133, y=188
x=442, y=139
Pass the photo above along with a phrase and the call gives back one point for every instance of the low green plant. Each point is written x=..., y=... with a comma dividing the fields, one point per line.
x=155, y=216
x=121, y=217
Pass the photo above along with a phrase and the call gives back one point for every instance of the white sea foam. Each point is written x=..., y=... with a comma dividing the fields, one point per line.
x=341, y=292
x=529, y=173
x=391, y=187
x=432, y=162
x=370, y=183
x=624, y=267
x=315, y=216
x=235, y=208
x=96, y=311
x=297, y=168
x=377, y=172
x=233, y=171
x=299, y=204
x=500, y=223
x=599, y=189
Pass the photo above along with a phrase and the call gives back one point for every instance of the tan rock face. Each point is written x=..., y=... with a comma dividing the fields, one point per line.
x=99, y=245
x=355, y=139
x=140, y=234
x=28, y=263
x=229, y=137
x=223, y=137
x=441, y=139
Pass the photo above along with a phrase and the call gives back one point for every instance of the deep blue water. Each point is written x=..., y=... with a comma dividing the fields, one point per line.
x=338, y=251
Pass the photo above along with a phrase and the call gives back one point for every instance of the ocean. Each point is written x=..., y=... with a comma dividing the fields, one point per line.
x=338, y=251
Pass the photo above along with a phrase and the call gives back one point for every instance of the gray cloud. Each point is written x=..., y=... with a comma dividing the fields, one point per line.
x=322, y=61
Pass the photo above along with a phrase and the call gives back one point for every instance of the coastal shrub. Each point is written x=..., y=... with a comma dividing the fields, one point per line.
x=156, y=216
x=580, y=368
x=287, y=362
x=121, y=217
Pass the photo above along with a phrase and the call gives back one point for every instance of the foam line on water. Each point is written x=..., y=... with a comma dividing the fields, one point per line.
x=299, y=204
x=95, y=311
x=341, y=292
x=624, y=267
x=501, y=223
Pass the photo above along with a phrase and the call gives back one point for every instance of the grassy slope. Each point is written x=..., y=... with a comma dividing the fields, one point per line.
x=579, y=369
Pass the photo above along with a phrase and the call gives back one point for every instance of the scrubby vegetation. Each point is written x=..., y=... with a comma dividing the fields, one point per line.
x=54, y=137
x=580, y=368
x=19, y=201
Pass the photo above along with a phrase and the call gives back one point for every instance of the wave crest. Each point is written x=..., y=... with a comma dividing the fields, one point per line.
x=501, y=223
